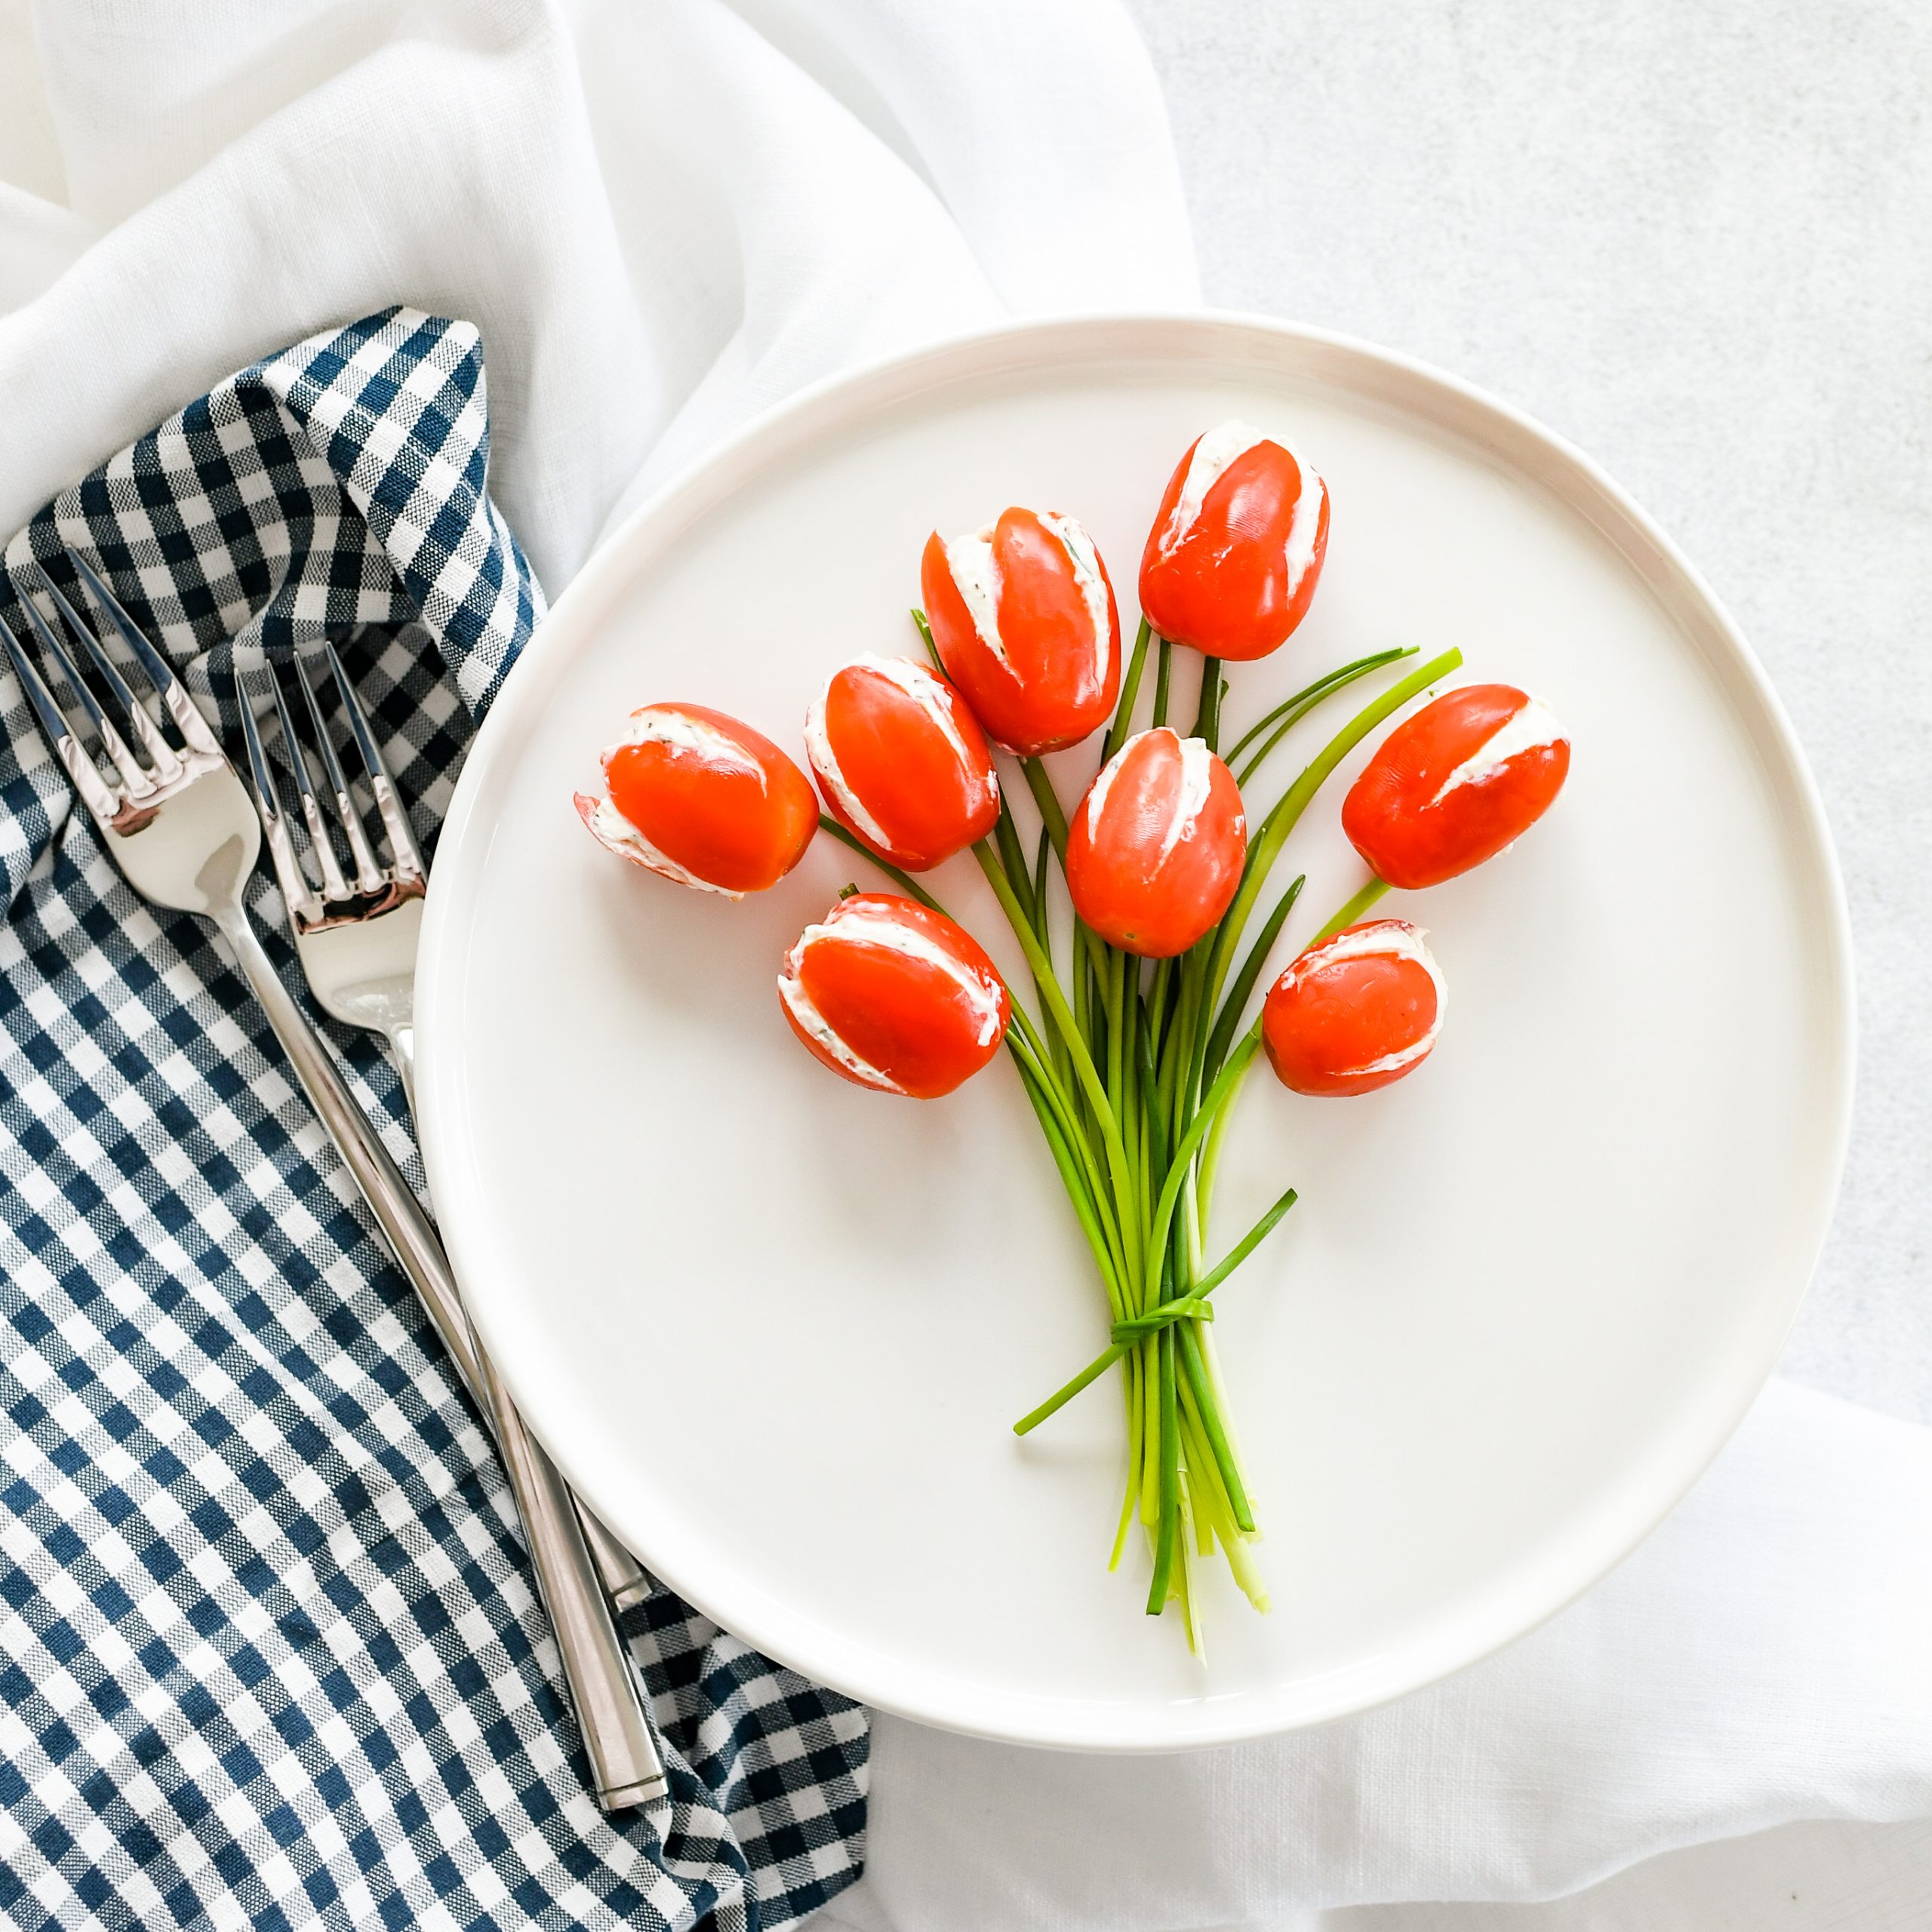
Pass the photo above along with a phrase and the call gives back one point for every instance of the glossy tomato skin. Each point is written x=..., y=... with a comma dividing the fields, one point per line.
x=700, y=798
x=1232, y=570
x=1154, y=851
x=901, y=763
x=1453, y=786
x=1034, y=580
x=894, y=996
x=1355, y=1012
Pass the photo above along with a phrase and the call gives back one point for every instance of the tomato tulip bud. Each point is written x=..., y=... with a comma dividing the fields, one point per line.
x=697, y=797
x=903, y=766
x=894, y=996
x=1356, y=1011
x=1236, y=549
x=1155, y=851
x=1455, y=783
x=1023, y=614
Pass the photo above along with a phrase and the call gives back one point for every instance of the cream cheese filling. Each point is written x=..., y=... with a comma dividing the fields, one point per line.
x=932, y=698
x=1215, y=451
x=817, y=1028
x=1213, y=456
x=664, y=724
x=871, y=927
x=975, y=574
x=1072, y=538
x=1196, y=780
x=1304, y=526
x=1382, y=939
x=616, y=833
x=1527, y=730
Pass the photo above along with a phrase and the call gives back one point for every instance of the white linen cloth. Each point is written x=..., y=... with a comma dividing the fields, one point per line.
x=664, y=217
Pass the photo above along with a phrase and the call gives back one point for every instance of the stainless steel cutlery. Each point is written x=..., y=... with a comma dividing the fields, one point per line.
x=182, y=825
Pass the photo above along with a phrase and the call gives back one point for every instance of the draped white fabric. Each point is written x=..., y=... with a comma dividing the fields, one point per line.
x=664, y=217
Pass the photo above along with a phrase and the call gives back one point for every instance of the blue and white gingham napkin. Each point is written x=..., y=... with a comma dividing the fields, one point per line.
x=270, y=1653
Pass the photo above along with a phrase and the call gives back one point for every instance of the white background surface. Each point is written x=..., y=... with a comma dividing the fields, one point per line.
x=1692, y=238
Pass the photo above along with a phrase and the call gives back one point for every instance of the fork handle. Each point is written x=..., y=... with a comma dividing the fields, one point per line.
x=625, y=1579
x=627, y=1767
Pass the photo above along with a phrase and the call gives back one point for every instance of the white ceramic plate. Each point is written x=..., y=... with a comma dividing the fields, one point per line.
x=776, y=1328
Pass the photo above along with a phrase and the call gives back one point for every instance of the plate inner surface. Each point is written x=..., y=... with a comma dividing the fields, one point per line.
x=778, y=1328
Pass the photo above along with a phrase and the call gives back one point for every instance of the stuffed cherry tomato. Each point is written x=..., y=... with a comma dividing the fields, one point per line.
x=903, y=764
x=1022, y=613
x=1155, y=851
x=1356, y=1011
x=894, y=996
x=697, y=797
x=1236, y=549
x=1455, y=783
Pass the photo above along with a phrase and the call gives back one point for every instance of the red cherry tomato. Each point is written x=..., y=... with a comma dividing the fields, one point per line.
x=1155, y=851
x=1455, y=783
x=700, y=798
x=901, y=763
x=1355, y=1012
x=1236, y=549
x=1022, y=613
x=894, y=996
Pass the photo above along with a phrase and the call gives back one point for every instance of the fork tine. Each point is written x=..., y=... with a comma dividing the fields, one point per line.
x=395, y=821
x=96, y=793
x=334, y=886
x=182, y=708
x=298, y=895
x=135, y=777
x=161, y=754
x=368, y=874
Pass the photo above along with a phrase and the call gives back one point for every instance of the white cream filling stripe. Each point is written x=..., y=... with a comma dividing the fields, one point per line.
x=1214, y=455
x=925, y=690
x=665, y=724
x=615, y=833
x=1527, y=730
x=1085, y=560
x=1304, y=526
x=975, y=574
x=1103, y=783
x=870, y=927
x=818, y=1029
x=1197, y=779
x=1382, y=939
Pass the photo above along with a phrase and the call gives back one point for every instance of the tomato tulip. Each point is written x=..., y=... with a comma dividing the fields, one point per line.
x=1155, y=851
x=903, y=766
x=1356, y=1011
x=1023, y=614
x=894, y=996
x=1236, y=549
x=697, y=797
x=1453, y=786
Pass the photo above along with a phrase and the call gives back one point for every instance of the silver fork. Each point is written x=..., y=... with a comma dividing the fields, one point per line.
x=178, y=822
x=356, y=923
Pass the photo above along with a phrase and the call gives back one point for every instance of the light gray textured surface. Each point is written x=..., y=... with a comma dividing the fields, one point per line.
x=1697, y=239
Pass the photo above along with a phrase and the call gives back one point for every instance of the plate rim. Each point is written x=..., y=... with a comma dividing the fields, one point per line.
x=1025, y=1718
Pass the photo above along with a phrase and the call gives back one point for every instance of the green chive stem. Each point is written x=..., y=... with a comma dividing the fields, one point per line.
x=1349, y=914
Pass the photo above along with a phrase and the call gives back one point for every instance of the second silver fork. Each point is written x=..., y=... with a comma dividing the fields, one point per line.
x=356, y=920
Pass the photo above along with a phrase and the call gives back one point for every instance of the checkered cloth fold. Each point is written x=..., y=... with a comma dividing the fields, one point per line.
x=270, y=1652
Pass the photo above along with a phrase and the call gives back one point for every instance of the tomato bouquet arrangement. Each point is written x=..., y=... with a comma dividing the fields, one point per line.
x=1136, y=1040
